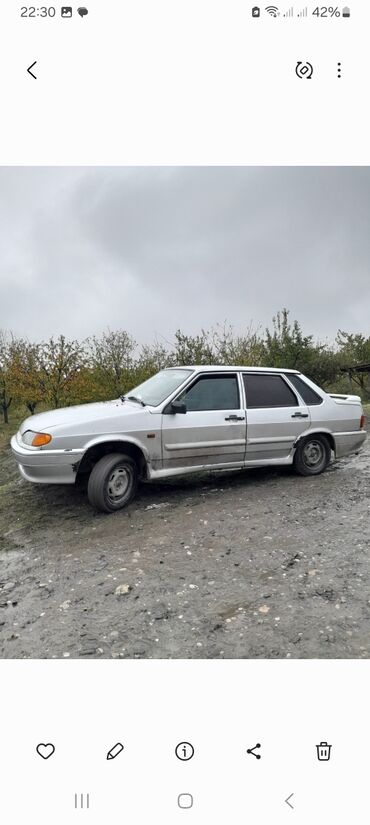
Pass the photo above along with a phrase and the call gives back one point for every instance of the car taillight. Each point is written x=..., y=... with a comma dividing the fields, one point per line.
x=362, y=422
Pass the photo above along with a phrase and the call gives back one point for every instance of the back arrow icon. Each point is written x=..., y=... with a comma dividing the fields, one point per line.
x=289, y=803
x=30, y=72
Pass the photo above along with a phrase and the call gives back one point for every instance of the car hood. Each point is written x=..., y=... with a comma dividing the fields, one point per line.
x=81, y=414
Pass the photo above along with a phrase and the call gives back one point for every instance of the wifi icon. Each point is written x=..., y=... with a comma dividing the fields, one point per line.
x=273, y=11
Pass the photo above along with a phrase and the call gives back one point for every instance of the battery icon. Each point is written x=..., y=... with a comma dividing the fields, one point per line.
x=346, y=11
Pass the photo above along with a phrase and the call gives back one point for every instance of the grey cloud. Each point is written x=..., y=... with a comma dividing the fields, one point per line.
x=154, y=249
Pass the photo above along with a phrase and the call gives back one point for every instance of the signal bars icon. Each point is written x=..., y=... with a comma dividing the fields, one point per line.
x=290, y=12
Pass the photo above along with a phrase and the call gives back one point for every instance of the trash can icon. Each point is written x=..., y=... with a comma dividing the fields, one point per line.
x=323, y=752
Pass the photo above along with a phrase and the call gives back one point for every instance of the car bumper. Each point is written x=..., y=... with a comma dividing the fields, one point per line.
x=45, y=466
x=346, y=443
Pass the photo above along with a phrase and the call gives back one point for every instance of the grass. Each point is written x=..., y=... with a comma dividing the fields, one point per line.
x=16, y=416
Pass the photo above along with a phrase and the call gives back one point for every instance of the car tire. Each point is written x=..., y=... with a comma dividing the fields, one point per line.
x=312, y=455
x=112, y=482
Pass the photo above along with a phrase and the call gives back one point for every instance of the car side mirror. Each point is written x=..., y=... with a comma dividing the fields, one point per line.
x=178, y=407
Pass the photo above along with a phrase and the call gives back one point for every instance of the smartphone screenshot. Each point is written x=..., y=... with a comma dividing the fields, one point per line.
x=184, y=394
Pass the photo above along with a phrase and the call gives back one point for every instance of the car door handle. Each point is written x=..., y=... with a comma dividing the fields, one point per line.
x=235, y=418
x=299, y=415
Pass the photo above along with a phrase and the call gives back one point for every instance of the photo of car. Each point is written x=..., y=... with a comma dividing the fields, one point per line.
x=189, y=419
x=184, y=389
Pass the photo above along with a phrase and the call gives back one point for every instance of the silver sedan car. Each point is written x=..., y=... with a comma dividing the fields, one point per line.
x=188, y=419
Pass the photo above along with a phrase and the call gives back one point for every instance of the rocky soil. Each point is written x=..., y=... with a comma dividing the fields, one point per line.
x=256, y=564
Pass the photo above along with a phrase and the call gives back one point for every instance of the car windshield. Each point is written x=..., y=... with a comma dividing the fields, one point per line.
x=159, y=387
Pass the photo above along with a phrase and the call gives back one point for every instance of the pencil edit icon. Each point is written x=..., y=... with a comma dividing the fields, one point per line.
x=115, y=751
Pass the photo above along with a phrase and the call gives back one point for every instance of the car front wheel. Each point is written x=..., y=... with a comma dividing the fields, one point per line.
x=312, y=455
x=112, y=482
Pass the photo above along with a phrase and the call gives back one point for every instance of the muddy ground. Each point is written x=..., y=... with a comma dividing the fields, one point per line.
x=255, y=564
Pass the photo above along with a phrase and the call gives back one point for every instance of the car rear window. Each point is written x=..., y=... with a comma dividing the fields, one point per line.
x=307, y=393
x=268, y=391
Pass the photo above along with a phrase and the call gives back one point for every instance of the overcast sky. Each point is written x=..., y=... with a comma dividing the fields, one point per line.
x=151, y=250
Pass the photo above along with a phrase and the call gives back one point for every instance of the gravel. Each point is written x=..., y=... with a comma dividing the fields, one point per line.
x=249, y=564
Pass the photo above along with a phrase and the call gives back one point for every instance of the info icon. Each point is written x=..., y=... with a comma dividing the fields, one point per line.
x=184, y=751
x=66, y=11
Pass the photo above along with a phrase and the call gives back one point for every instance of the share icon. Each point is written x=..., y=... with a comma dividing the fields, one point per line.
x=252, y=751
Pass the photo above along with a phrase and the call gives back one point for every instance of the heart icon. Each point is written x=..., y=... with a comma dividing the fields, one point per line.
x=45, y=751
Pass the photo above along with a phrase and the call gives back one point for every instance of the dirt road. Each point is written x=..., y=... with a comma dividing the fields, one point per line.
x=250, y=564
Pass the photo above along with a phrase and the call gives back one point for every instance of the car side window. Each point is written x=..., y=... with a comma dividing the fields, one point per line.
x=212, y=392
x=268, y=391
x=307, y=393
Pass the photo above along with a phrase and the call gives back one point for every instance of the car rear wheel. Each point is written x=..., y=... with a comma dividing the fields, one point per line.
x=312, y=455
x=112, y=482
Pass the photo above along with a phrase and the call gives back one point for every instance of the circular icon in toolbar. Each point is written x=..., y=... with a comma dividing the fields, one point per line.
x=184, y=751
x=304, y=70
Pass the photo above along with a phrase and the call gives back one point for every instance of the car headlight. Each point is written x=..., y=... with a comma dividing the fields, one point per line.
x=33, y=439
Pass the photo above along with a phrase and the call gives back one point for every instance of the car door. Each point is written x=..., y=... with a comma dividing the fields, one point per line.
x=276, y=416
x=213, y=429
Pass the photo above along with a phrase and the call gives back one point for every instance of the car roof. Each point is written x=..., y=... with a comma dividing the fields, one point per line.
x=223, y=368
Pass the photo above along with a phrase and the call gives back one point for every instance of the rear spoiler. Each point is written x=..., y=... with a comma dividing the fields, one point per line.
x=345, y=399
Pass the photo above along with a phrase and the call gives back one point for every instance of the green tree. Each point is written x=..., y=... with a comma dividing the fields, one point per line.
x=246, y=349
x=152, y=358
x=194, y=349
x=285, y=345
x=353, y=350
x=111, y=357
x=25, y=375
x=6, y=393
x=60, y=363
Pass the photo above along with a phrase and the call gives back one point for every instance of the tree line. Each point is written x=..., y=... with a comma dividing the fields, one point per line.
x=60, y=372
